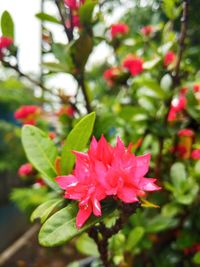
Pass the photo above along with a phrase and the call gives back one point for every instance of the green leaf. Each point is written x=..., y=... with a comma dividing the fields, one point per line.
x=87, y=246
x=7, y=25
x=76, y=140
x=43, y=211
x=196, y=258
x=86, y=11
x=150, y=87
x=47, y=17
x=41, y=152
x=152, y=63
x=61, y=227
x=178, y=174
x=160, y=223
x=81, y=49
x=170, y=9
x=134, y=237
x=166, y=82
x=55, y=67
x=170, y=210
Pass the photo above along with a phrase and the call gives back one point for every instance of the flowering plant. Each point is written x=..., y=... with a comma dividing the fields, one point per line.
x=145, y=98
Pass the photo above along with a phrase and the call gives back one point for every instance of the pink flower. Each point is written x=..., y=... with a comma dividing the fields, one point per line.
x=195, y=154
x=133, y=64
x=73, y=4
x=186, y=132
x=27, y=114
x=25, y=170
x=112, y=73
x=147, y=30
x=106, y=171
x=169, y=58
x=119, y=29
x=5, y=42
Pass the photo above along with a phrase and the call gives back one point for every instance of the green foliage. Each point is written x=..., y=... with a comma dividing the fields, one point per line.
x=27, y=199
x=60, y=228
x=76, y=140
x=87, y=246
x=86, y=12
x=41, y=152
x=7, y=25
x=47, y=17
x=43, y=211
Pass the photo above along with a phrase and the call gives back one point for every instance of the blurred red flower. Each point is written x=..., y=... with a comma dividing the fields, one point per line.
x=25, y=170
x=169, y=58
x=147, y=30
x=133, y=64
x=119, y=30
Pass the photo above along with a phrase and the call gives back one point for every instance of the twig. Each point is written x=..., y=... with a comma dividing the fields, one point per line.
x=69, y=32
x=39, y=84
x=101, y=234
x=184, y=24
x=84, y=91
x=175, y=76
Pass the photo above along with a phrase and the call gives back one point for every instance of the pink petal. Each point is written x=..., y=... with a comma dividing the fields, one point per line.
x=96, y=207
x=148, y=184
x=83, y=214
x=142, y=165
x=127, y=195
x=65, y=181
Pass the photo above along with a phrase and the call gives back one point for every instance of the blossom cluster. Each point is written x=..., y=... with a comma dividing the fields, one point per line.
x=183, y=149
x=27, y=114
x=106, y=171
x=179, y=103
x=131, y=63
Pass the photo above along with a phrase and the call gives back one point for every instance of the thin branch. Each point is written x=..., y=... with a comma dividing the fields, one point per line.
x=84, y=91
x=39, y=84
x=175, y=76
x=101, y=234
x=184, y=24
x=68, y=32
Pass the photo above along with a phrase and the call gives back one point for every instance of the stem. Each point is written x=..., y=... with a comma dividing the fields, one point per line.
x=39, y=84
x=184, y=24
x=69, y=32
x=84, y=91
x=175, y=76
x=101, y=234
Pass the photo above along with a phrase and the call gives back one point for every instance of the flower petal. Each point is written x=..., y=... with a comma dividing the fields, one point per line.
x=148, y=184
x=65, y=181
x=96, y=207
x=142, y=165
x=127, y=195
x=83, y=214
